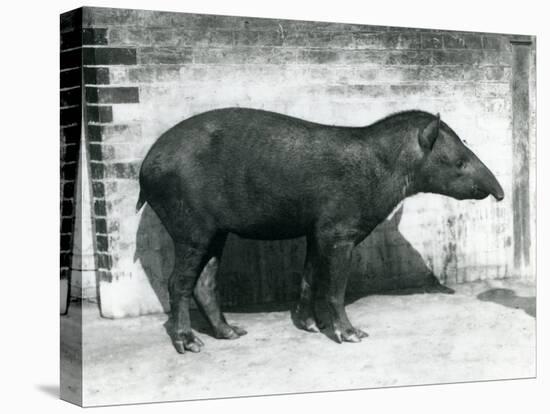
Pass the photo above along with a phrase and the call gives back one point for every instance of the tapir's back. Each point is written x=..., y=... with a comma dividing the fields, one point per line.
x=247, y=167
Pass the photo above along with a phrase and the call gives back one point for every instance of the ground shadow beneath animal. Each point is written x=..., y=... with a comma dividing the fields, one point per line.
x=257, y=277
x=509, y=298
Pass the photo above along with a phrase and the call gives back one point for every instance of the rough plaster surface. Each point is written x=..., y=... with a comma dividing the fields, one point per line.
x=485, y=331
x=145, y=71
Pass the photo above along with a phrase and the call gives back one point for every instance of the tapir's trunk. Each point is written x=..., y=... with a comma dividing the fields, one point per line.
x=486, y=181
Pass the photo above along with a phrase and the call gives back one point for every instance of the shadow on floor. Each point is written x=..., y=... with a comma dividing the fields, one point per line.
x=509, y=298
x=436, y=287
x=200, y=324
x=49, y=389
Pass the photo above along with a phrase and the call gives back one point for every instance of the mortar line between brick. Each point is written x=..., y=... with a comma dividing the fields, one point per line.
x=335, y=64
x=68, y=69
x=109, y=65
x=96, y=123
x=365, y=64
x=117, y=161
x=69, y=88
x=110, y=86
x=148, y=85
x=106, y=47
x=113, y=180
x=98, y=84
x=119, y=124
x=96, y=47
x=70, y=49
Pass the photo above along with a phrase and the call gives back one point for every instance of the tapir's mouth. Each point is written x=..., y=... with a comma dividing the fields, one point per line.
x=480, y=194
x=496, y=190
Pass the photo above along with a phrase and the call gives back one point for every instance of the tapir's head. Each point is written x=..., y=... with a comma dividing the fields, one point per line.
x=450, y=168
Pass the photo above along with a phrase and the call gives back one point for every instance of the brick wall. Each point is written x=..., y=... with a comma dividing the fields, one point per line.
x=145, y=71
x=70, y=149
x=78, y=261
x=70, y=139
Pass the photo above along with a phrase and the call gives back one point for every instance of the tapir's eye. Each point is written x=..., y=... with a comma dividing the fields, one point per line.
x=460, y=164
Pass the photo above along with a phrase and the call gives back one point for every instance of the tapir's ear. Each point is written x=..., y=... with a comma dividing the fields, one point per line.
x=429, y=134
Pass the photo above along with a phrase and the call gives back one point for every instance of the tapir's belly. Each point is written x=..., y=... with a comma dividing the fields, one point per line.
x=264, y=216
x=269, y=231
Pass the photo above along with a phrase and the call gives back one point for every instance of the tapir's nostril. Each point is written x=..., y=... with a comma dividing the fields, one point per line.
x=498, y=192
x=492, y=186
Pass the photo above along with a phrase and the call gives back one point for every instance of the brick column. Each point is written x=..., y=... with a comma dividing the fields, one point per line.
x=70, y=128
x=71, y=135
x=104, y=136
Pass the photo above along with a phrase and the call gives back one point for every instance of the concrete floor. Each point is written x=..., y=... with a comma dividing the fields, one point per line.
x=485, y=331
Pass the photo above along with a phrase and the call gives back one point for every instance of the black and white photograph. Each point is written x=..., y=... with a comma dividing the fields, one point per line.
x=289, y=206
x=258, y=206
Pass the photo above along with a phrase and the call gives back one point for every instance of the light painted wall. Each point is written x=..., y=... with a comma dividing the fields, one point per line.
x=182, y=64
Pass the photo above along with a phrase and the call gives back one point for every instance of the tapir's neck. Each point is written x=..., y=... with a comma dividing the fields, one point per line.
x=393, y=193
x=394, y=174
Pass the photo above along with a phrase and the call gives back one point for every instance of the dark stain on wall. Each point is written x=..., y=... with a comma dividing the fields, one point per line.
x=450, y=260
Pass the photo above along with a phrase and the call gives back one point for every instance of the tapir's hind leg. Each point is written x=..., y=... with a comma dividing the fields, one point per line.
x=192, y=237
x=189, y=261
x=207, y=295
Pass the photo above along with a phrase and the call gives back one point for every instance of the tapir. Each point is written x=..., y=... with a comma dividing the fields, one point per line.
x=268, y=176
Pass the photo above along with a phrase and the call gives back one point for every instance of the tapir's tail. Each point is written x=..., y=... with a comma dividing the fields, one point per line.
x=141, y=202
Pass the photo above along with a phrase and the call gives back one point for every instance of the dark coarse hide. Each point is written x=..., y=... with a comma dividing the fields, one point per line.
x=264, y=175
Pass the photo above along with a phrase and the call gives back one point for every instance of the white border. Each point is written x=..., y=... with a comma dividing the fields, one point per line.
x=29, y=171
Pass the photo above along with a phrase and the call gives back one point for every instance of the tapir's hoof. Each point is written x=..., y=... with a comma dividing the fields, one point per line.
x=240, y=331
x=303, y=318
x=349, y=335
x=307, y=324
x=322, y=325
x=229, y=332
x=187, y=342
x=360, y=333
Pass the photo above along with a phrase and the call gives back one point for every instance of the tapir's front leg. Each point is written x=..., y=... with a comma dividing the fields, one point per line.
x=304, y=316
x=335, y=263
